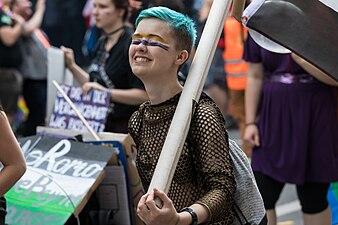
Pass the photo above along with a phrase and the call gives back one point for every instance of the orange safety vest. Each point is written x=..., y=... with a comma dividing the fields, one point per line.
x=236, y=68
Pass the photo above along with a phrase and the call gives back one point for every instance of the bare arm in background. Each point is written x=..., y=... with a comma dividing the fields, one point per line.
x=252, y=97
x=314, y=71
x=80, y=75
x=36, y=20
x=10, y=156
x=131, y=96
x=9, y=35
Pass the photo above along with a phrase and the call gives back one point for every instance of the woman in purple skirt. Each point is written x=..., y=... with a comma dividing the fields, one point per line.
x=291, y=121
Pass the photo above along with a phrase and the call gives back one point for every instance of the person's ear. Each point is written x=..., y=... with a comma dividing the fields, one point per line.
x=182, y=57
x=121, y=12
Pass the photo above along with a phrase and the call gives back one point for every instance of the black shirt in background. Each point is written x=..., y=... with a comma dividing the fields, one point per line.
x=10, y=57
x=117, y=69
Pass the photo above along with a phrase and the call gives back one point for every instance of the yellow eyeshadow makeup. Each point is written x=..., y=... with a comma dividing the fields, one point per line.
x=150, y=40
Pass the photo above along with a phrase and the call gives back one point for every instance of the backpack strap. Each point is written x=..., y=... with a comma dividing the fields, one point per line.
x=236, y=210
x=264, y=221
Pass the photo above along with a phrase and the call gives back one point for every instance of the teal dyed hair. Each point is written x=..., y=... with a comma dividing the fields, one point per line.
x=182, y=26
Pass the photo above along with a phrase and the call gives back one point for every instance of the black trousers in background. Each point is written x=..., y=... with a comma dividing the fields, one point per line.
x=35, y=95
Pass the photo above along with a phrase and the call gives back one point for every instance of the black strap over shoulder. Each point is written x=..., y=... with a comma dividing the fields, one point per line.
x=3, y=211
x=239, y=214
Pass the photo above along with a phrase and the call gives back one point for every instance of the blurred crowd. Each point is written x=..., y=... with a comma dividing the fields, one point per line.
x=72, y=24
x=285, y=108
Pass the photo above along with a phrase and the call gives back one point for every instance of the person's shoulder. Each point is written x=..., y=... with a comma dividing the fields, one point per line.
x=138, y=114
x=135, y=122
x=207, y=108
x=206, y=101
x=3, y=117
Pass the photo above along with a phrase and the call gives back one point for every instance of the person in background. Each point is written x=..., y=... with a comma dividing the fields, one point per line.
x=236, y=73
x=110, y=70
x=12, y=159
x=11, y=30
x=34, y=65
x=203, y=186
x=291, y=123
x=135, y=7
x=65, y=25
x=215, y=85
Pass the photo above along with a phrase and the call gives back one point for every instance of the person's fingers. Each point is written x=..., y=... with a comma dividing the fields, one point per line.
x=142, y=208
x=142, y=201
x=248, y=138
x=166, y=201
x=256, y=141
x=150, y=202
x=85, y=89
x=91, y=85
x=65, y=49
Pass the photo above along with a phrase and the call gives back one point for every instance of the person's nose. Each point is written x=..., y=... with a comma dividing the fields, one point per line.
x=141, y=47
x=94, y=12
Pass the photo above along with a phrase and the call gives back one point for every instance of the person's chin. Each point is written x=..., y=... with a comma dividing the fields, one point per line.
x=138, y=72
x=98, y=25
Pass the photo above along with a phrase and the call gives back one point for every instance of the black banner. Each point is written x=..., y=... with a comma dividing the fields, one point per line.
x=308, y=28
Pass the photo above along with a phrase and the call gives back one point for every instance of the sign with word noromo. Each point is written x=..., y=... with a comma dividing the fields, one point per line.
x=61, y=175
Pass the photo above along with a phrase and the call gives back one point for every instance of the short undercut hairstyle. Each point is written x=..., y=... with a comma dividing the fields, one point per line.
x=182, y=26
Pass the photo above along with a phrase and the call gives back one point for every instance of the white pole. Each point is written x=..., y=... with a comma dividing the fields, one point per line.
x=179, y=127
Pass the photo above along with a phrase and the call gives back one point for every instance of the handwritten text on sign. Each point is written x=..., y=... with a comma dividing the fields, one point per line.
x=93, y=107
x=60, y=174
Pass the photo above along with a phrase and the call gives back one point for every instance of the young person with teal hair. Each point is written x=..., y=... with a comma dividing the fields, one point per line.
x=203, y=185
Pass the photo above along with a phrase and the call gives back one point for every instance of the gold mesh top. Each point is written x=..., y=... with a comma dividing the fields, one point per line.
x=204, y=173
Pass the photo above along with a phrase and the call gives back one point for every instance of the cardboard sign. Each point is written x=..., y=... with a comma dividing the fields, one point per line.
x=126, y=158
x=61, y=175
x=58, y=72
x=93, y=107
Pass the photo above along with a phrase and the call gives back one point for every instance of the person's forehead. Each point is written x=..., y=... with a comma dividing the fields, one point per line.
x=103, y=2
x=21, y=1
x=153, y=25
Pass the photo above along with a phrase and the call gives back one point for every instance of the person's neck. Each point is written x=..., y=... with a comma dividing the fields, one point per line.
x=113, y=35
x=114, y=29
x=158, y=93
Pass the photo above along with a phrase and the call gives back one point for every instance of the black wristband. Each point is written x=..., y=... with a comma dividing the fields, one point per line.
x=251, y=123
x=192, y=213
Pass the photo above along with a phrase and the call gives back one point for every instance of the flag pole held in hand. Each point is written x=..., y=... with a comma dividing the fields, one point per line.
x=192, y=90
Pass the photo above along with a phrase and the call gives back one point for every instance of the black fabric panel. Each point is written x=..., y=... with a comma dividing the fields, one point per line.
x=308, y=28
